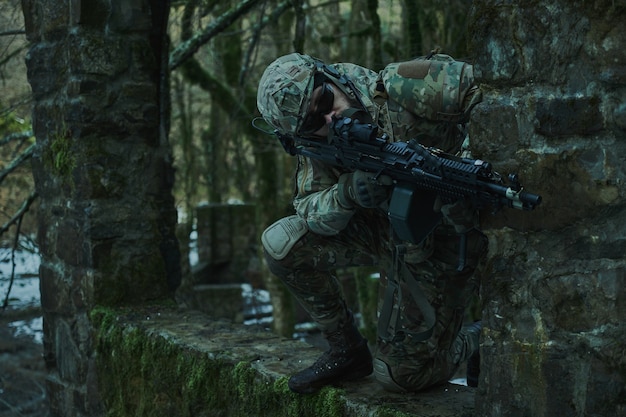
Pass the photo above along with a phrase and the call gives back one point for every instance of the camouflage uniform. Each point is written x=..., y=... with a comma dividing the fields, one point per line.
x=421, y=342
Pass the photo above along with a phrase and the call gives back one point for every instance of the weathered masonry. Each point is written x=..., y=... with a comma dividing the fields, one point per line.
x=554, y=80
x=554, y=77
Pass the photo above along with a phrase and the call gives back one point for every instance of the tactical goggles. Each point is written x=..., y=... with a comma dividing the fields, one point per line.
x=314, y=121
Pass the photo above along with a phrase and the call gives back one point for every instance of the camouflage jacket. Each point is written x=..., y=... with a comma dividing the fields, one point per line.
x=403, y=109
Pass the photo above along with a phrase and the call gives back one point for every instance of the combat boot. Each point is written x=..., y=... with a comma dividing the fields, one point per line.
x=347, y=359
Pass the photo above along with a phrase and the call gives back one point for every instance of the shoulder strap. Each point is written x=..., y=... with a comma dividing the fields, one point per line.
x=390, y=319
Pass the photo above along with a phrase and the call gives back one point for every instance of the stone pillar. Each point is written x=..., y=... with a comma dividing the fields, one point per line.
x=102, y=169
x=554, y=110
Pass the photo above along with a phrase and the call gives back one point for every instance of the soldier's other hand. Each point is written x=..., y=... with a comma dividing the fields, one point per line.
x=363, y=189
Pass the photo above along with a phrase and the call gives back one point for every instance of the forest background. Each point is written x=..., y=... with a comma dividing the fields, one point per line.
x=219, y=49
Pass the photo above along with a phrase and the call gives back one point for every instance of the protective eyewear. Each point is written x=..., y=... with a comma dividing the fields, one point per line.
x=315, y=121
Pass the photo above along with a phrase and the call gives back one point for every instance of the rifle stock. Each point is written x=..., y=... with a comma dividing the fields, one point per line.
x=420, y=174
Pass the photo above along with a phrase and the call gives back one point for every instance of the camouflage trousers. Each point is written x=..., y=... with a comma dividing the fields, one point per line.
x=421, y=346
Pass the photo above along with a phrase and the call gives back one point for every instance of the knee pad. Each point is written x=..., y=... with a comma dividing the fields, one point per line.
x=279, y=238
x=382, y=374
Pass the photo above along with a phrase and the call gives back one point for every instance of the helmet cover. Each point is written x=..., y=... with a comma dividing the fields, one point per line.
x=284, y=91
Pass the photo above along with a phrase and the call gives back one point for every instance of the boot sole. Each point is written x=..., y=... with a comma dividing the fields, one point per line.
x=317, y=385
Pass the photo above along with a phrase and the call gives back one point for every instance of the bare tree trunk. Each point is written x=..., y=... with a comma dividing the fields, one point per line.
x=412, y=28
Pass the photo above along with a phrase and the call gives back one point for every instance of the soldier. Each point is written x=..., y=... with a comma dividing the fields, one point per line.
x=340, y=221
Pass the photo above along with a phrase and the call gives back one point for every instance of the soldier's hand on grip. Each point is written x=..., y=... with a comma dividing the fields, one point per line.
x=363, y=189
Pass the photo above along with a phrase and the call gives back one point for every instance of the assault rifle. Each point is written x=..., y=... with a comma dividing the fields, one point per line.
x=420, y=174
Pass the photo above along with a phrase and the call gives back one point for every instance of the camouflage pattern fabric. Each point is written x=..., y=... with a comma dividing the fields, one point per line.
x=427, y=98
x=283, y=91
x=287, y=83
x=431, y=88
x=308, y=270
x=340, y=237
x=416, y=364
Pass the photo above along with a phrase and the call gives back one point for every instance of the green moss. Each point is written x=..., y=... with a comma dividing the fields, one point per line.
x=146, y=374
x=141, y=373
x=60, y=156
x=386, y=412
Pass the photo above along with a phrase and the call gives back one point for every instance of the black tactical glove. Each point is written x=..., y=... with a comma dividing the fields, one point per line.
x=363, y=189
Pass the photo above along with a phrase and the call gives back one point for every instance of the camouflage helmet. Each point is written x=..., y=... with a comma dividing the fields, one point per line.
x=284, y=89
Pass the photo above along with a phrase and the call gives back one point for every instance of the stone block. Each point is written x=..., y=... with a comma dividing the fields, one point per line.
x=219, y=301
x=498, y=122
x=568, y=116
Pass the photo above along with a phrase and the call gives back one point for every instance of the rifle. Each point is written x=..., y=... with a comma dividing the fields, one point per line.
x=420, y=174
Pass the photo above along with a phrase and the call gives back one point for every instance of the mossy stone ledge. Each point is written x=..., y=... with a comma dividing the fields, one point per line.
x=162, y=361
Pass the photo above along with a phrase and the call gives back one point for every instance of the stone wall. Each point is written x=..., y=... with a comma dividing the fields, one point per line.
x=103, y=174
x=554, y=110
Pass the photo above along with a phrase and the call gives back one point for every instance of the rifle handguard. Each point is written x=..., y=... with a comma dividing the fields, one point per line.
x=419, y=175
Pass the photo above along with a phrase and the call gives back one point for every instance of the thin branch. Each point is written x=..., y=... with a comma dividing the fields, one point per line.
x=187, y=49
x=15, y=244
x=6, y=58
x=17, y=162
x=20, y=212
x=17, y=218
x=26, y=100
x=13, y=32
x=299, y=37
x=256, y=34
x=16, y=136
